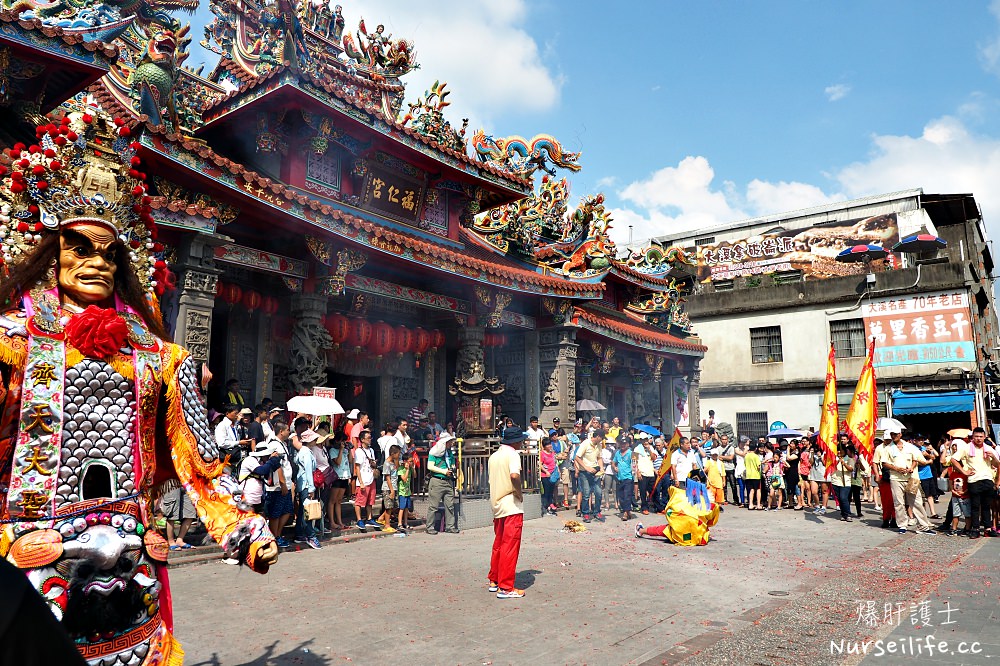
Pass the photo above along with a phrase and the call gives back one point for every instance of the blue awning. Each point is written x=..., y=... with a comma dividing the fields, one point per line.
x=933, y=403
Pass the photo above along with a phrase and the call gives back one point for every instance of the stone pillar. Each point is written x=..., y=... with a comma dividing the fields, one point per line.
x=532, y=396
x=309, y=343
x=557, y=350
x=694, y=398
x=198, y=278
x=470, y=350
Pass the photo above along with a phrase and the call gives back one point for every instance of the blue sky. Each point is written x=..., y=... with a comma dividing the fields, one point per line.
x=692, y=114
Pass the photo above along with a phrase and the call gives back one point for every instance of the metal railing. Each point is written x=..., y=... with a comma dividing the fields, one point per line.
x=475, y=473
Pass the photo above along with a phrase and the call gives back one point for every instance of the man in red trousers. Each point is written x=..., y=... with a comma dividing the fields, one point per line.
x=508, y=514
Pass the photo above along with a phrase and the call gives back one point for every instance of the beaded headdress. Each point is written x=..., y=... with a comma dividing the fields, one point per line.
x=83, y=169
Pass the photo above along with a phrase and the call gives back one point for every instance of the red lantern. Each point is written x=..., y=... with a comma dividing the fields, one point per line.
x=231, y=294
x=404, y=340
x=488, y=339
x=339, y=328
x=421, y=341
x=437, y=339
x=270, y=306
x=251, y=300
x=382, y=340
x=359, y=334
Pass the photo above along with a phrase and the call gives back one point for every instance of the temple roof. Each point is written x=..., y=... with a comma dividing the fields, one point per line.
x=347, y=223
x=310, y=91
x=615, y=326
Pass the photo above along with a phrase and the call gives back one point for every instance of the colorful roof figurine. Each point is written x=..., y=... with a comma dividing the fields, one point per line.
x=662, y=309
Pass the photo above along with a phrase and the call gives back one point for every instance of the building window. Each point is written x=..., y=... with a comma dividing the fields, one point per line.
x=848, y=337
x=707, y=240
x=751, y=424
x=787, y=277
x=765, y=344
x=723, y=285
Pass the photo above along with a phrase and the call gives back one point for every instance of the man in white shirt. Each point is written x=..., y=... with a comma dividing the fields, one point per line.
x=682, y=462
x=227, y=439
x=508, y=514
x=364, y=470
x=901, y=459
x=535, y=435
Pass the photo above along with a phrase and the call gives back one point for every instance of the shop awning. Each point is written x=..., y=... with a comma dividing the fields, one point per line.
x=933, y=403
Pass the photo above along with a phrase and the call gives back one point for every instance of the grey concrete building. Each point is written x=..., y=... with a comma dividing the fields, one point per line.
x=771, y=297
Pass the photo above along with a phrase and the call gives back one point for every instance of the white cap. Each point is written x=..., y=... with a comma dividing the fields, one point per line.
x=441, y=444
x=353, y=414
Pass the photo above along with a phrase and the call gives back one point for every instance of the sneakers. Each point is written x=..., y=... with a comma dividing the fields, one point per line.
x=638, y=528
x=510, y=594
x=361, y=526
x=493, y=587
x=451, y=530
x=431, y=530
x=586, y=517
x=902, y=530
x=925, y=530
x=282, y=543
x=314, y=543
x=301, y=539
x=952, y=533
x=372, y=523
x=599, y=517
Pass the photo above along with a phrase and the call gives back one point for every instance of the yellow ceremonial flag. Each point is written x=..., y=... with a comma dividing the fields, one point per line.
x=672, y=445
x=829, y=420
x=863, y=413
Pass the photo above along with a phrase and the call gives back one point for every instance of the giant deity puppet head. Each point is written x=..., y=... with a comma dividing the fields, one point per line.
x=75, y=220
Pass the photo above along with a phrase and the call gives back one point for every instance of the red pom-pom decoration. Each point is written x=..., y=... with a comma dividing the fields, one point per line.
x=42, y=185
x=22, y=227
x=38, y=169
x=50, y=153
x=97, y=332
x=87, y=118
x=71, y=135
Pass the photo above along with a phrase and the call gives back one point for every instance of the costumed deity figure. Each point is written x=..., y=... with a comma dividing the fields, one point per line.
x=99, y=409
x=690, y=514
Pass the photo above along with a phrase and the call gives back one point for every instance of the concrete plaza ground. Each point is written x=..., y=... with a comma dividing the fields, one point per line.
x=770, y=588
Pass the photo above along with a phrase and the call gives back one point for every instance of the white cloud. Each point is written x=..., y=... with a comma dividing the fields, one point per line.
x=763, y=197
x=837, y=91
x=480, y=47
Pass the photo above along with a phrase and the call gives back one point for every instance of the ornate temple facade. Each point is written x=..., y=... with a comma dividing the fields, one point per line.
x=324, y=231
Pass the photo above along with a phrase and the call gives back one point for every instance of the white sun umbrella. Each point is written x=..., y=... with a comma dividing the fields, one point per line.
x=890, y=424
x=314, y=405
x=589, y=406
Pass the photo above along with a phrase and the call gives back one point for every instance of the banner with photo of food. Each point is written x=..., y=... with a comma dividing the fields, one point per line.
x=812, y=250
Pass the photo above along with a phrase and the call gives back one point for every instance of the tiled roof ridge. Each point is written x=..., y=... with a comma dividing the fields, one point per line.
x=496, y=268
x=395, y=124
x=73, y=39
x=617, y=322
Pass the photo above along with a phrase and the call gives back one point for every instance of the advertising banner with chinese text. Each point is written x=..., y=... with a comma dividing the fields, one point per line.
x=920, y=328
x=812, y=250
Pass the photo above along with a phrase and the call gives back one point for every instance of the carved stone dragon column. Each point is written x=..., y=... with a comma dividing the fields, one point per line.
x=309, y=343
x=557, y=350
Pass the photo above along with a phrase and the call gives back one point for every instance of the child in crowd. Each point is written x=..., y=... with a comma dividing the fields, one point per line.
x=390, y=485
x=404, y=493
x=715, y=472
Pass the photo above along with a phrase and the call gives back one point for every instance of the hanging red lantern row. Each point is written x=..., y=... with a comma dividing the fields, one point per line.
x=359, y=334
x=404, y=340
x=338, y=326
x=270, y=306
x=437, y=339
x=251, y=300
x=383, y=339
